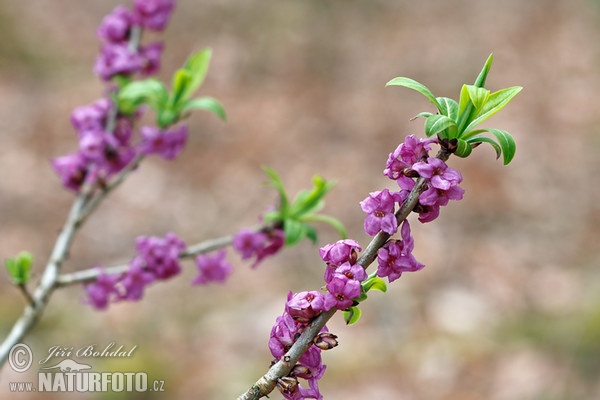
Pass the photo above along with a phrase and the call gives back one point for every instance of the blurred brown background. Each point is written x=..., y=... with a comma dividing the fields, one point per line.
x=508, y=307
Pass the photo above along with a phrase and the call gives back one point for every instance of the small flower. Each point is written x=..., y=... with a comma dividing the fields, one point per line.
x=440, y=175
x=406, y=154
x=325, y=341
x=341, y=292
x=151, y=54
x=72, y=170
x=91, y=117
x=380, y=207
x=102, y=290
x=283, y=335
x=115, y=27
x=168, y=144
x=160, y=255
x=395, y=257
x=135, y=280
x=117, y=59
x=258, y=244
x=339, y=252
x=212, y=268
x=355, y=271
x=305, y=306
x=153, y=14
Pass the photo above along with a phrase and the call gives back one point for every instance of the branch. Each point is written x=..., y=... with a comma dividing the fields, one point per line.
x=91, y=274
x=283, y=367
x=47, y=284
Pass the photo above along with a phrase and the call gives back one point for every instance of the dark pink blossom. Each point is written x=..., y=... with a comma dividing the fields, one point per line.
x=72, y=170
x=91, y=117
x=395, y=257
x=380, y=207
x=212, y=268
x=305, y=306
x=153, y=14
x=406, y=154
x=341, y=292
x=151, y=54
x=160, y=255
x=167, y=143
x=115, y=27
x=135, y=279
x=340, y=252
x=439, y=174
x=102, y=290
x=352, y=271
x=117, y=59
x=259, y=244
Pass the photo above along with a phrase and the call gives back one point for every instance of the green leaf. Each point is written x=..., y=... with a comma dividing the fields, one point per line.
x=374, y=283
x=484, y=139
x=463, y=149
x=275, y=181
x=352, y=315
x=481, y=78
x=197, y=65
x=448, y=107
x=478, y=96
x=149, y=91
x=19, y=269
x=334, y=222
x=506, y=142
x=437, y=123
x=208, y=104
x=188, y=79
x=311, y=201
x=294, y=231
x=422, y=114
x=310, y=233
x=419, y=87
x=182, y=81
x=496, y=102
x=465, y=106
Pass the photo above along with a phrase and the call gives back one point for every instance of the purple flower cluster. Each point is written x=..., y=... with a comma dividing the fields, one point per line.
x=157, y=259
x=105, y=136
x=300, y=309
x=342, y=275
x=259, y=245
x=118, y=55
x=395, y=257
x=409, y=161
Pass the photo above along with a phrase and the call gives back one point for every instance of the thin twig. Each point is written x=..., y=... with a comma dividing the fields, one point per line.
x=91, y=274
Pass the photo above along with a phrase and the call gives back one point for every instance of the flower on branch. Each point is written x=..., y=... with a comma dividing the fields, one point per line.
x=249, y=243
x=167, y=143
x=395, y=257
x=412, y=150
x=102, y=291
x=380, y=207
x=212, y=268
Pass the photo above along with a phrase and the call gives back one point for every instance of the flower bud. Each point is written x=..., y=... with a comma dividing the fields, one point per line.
x=287, y=384
x=325, y=340
x=300, y=370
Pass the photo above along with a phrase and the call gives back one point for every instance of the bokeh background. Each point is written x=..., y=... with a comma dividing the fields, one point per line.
x=508, y=307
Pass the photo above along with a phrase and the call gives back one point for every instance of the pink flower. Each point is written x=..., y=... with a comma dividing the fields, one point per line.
x=380, y=207
x=395, y=257
x=213, y=268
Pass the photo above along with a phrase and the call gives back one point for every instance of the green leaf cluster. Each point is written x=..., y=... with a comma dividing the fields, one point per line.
x=353, y=314
x=171, y=106
x=296, y=215
x=19, y=268
x=457, y=120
